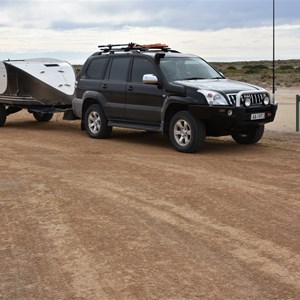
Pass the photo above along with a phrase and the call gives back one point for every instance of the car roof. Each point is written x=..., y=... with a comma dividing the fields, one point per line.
x=151, y=50
x=149, y=54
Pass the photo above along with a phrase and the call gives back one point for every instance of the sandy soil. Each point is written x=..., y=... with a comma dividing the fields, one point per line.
x=286, y=114
x=130, y=218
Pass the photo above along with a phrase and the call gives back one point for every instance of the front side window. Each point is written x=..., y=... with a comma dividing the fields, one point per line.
x=187, y=68
x=140, y=67
x=119, y=69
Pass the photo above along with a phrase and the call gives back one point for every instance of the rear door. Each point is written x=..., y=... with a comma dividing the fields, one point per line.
x=143, y=101
x=113, y=87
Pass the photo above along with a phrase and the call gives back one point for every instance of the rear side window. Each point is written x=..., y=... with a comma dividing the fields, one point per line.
x=96, y=68
x=119, y=69
x=141, y=66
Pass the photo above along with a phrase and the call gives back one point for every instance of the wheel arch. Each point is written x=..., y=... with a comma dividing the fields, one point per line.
x=170, y=110
x=92, y=97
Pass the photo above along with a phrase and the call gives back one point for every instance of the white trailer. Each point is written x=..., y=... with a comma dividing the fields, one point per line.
x=43, y=86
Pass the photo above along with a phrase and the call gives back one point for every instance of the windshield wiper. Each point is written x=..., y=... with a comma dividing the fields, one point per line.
x=219, y=77
x=193, y=78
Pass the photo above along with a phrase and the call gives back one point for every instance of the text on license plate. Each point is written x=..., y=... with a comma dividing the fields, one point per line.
x=258, y=116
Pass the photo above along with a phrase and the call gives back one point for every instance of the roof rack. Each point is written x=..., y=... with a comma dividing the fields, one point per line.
x=134, y=46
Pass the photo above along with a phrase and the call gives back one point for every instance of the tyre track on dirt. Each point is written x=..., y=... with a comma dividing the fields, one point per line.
x=49, y=244
x=273, y=259
x=130, y=218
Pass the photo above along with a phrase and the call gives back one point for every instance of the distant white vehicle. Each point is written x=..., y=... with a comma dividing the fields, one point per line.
x=41, y=85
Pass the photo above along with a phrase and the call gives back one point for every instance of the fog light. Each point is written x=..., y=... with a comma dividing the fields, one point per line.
x=229, y=113
x=266, y=100
x=247, y=101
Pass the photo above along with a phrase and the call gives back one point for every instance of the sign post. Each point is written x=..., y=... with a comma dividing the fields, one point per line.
x=297, y=112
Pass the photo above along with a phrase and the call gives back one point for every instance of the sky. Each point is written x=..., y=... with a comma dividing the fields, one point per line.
x=217, y=30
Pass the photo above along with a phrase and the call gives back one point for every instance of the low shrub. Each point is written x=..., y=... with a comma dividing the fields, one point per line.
x=286, y=67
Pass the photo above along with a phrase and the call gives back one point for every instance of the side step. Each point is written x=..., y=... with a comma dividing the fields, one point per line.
x=154, y=128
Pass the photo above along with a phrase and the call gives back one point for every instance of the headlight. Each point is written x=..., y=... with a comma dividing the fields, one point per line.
x=266, y=100
x=213, y=98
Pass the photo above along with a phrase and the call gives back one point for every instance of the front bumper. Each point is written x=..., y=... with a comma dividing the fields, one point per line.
x=232, y=117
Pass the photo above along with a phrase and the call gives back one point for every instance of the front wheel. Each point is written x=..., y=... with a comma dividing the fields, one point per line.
x=187, y=134
x=95, y=122
x=42, y=117
x=250, y=135
x=3, y=115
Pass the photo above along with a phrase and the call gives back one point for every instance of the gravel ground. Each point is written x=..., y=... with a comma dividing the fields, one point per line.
x=131, y=218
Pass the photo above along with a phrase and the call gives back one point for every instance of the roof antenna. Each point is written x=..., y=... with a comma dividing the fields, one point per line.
x=273, y=87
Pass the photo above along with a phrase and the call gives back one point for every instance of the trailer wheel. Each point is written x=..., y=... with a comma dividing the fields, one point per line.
x=3, y=115
x=42, y=117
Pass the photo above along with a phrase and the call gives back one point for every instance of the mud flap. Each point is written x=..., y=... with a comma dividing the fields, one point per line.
x=69, y=115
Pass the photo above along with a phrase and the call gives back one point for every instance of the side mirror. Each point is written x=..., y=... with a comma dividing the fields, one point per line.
x=150, y=79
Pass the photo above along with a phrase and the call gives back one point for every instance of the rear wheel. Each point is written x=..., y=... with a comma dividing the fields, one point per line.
x=250, y=135
x=96, y=124
x=186, y=133
x=3, y=115
x=42, y=117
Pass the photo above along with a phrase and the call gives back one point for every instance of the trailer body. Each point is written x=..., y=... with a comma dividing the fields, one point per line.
x=40, y=85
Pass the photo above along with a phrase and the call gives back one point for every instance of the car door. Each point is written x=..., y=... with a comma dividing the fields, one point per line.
x=113, y=87
x=143, y=101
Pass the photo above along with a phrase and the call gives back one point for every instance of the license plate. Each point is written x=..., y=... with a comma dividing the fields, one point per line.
x=259, y=116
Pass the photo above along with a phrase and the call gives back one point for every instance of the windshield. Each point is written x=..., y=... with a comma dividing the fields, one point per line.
x=187, y=68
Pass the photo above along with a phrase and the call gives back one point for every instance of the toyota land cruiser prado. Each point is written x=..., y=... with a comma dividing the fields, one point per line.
x=155, y=88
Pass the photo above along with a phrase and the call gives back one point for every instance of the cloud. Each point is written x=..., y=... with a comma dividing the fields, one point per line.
x=217, y=30
x=189, y=14
x=219, y=45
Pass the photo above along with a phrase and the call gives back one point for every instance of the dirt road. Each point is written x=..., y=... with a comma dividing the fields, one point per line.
x=130, y=218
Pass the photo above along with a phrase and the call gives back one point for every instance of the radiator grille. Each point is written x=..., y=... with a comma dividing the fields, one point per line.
x=256, y=99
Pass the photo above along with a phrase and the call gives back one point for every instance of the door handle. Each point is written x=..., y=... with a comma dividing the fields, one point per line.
x=104, y=85
x=130, y=88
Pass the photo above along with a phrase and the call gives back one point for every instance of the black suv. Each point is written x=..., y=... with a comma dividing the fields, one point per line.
x=155, y=88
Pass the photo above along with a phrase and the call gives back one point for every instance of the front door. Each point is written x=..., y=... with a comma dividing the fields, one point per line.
x=143, y=101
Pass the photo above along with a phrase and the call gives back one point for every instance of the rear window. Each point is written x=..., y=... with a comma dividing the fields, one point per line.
x=96, y=68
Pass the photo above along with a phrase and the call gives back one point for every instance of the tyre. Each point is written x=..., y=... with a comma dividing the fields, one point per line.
x=3, y=115
x=186, y=133
x=42, y=117
x=95, y=122
x=250, y=135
